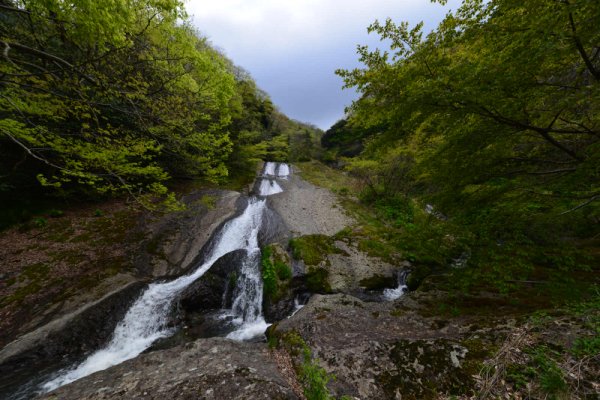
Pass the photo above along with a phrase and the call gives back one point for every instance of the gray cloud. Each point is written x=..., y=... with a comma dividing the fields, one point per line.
x=292, y=48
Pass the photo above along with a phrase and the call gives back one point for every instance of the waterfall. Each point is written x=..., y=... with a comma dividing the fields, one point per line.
x=247, y=300
x=283, y=171
x=396, y=293
x=269, y=187
x=280, y=170
x=270, y=168
x=147, y=319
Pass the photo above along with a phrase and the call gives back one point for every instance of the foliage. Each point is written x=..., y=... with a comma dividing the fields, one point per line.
x=314, y=378
x=588, y=345
x=268, y=273
x=106, y=99
x=284, y=272
x=549, y=374
x=494, y=118
x=275, y=274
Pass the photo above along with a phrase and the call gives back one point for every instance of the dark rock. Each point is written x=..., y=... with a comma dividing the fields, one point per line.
x=379, y=282
x=273, y=229
x=64, y=341
x=416, y=276
x=175, y=242
x=285, y=306
x=384, y=350
x=205, y=369
x=213, y=289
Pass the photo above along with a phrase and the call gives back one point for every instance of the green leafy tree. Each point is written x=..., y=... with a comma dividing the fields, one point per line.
x=493, y=116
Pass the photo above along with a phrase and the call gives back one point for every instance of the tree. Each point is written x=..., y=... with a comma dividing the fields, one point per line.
x=114, y=97
x=494, y=117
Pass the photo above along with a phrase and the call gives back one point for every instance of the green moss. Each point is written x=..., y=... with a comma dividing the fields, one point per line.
x=324, y=176
x=32, y=279
x=377, y=248
x=210, y=202
x=36, y=271
x=19, y=295
x=284, y=271
x=275, y=274
x=317, y=280
x=313, y=377
x=313, y=249
x=423, y=371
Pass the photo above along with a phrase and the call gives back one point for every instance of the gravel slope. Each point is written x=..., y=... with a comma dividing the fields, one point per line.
x=307, y=209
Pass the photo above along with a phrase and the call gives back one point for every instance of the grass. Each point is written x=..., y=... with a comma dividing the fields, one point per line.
x=313, y=249
x=313, y=377
x=321, y=175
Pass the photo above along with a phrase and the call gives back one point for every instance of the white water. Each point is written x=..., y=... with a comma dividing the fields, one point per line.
x=248, y=293
x=270, y=168
x=396, y=293
x=280, y=170
x=269, y=187
x=145, y=321
x=297, y=306
x=283, y=171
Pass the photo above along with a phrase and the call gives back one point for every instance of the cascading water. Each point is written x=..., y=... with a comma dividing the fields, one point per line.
x=270, y=168
x=283, y=171
x=146, y=320
x=280, y=170
x=269, y=187
x=247, y=300
x=396, y=293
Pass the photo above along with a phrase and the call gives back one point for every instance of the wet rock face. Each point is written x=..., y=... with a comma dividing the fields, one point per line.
x=173, y=242
x=213, y=289
x=273, y=229
x=205, y=369
x=64, y=341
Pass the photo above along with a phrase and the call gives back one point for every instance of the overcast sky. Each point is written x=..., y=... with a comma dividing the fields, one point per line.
x=292, y=47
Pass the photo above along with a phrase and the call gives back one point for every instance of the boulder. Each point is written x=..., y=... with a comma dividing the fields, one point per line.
x=213, y=368
x=173, y=242
x=64, y=341
x=213, y=289
x=384, y=350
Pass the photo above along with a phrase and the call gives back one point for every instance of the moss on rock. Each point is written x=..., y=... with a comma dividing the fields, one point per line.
x=313, y=249
x=317, y=280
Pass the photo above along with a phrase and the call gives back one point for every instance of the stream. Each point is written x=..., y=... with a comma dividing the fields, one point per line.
x=147, y=320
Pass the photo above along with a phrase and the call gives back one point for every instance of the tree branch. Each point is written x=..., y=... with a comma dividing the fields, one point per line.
x=586, y=59
x=48, y=56
x=592, y=199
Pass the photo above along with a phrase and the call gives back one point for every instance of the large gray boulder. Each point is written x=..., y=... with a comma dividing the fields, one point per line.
x=213, y=368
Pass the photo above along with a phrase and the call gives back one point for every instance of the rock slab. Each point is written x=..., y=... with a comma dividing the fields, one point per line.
x=215, y=368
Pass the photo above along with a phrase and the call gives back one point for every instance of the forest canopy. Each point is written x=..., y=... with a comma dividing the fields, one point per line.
x=113, y=97
x=493, y=117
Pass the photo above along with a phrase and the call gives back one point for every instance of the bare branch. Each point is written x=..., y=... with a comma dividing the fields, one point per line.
x=592, y=199
x=48, y=56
